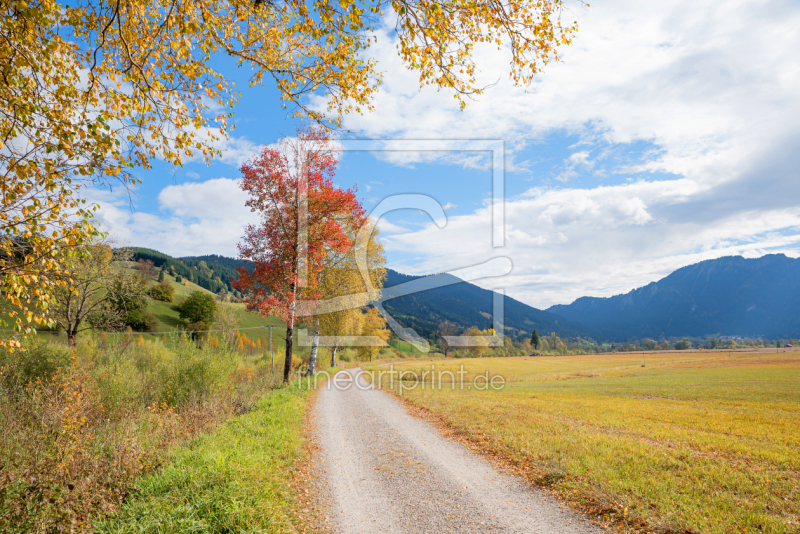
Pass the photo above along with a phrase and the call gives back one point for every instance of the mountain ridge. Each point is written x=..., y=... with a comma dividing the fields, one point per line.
x=731, y=295
x=424, y=311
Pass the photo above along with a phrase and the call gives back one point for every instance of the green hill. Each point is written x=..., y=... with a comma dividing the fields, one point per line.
x=168, y=316
x=205, y=271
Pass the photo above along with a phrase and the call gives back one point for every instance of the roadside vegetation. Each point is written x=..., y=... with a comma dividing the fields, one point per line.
x=692, y=442
x=236, y=479
x=82, y=424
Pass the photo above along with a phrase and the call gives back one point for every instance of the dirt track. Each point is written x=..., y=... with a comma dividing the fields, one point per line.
x=385, y=471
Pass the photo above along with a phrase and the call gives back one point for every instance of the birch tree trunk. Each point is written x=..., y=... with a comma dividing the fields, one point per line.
x=312, y=360
x=333, y=356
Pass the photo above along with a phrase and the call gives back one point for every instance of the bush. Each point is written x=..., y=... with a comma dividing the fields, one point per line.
x=198, y=330
x=190, y=379
x=142, y=321
x=179, y=279
x=163, y=292
x=199, y=307
x=42, y=360
x=80, y=427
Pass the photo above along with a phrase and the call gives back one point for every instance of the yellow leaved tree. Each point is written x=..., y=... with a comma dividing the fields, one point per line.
x=92, y=90
x=372, y=324
x=341, y=279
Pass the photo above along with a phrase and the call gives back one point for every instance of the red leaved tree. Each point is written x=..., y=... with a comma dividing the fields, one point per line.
x=302, y=221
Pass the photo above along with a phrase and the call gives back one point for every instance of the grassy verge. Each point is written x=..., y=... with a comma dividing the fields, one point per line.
x=236, y=479
x=700, y=443
x=80, y=427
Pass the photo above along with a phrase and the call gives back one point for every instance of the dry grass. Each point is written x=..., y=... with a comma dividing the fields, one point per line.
x=693, y=442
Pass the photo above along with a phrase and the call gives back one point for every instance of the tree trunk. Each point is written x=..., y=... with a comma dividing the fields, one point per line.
x=287, y=364
x=333, y=356
x=312, y=360
x=72, y=333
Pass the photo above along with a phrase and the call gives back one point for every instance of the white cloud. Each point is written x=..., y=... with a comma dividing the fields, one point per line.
x=566, y=243
x=195, y=218
x=712, y=91
x=709, y=87
x=387, y=227
x=449, y=206
x=193, y=175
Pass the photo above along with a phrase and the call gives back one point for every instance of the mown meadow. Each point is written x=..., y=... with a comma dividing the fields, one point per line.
x=680, y=442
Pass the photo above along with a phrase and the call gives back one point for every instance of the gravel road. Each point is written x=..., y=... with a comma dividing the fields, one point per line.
x=384, y=471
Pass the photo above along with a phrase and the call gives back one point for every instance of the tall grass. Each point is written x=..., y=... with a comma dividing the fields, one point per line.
x=79, y=426
x=234, y=479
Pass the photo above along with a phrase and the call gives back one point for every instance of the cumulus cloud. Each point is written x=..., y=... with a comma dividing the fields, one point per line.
x=194, y=218
x=566, y=243
x=709, y=87
x=712, y=92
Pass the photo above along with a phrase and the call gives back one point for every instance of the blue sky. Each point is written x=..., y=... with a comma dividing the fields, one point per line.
x=668, y=135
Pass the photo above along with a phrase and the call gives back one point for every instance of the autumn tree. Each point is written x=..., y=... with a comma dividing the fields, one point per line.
x=342, y=279
x=480, y=341
x=162, y=291
x=128, y=297
x=446, y=329
x=302, y=219
x=92, y=290
x=372, y=324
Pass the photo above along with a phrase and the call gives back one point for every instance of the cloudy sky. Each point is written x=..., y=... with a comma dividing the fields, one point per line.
x=668, y=135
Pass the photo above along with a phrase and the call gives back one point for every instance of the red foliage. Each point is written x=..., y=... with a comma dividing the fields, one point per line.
x=277, y=181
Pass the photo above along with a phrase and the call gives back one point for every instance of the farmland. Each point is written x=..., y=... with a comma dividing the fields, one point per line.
x=691, y=442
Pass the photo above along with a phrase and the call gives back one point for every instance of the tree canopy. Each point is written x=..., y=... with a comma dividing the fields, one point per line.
x=199, y=307
x=304, y=220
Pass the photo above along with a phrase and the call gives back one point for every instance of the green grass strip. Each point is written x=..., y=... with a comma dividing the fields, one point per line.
x=236, y=479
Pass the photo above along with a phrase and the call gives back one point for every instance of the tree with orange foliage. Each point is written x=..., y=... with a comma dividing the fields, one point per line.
x=303, y=218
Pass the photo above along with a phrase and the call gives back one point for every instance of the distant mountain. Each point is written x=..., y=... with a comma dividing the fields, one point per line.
x=725, y=296
x=468, y=305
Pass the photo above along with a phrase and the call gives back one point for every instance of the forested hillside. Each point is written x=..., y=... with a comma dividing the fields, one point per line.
x=209, y=272
x=466, y=305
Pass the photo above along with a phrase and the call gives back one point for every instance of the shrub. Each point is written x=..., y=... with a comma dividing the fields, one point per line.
x=198, y=330
x=142, y=321
x=179, y=279
x=42, y=360
x=163, y=292
x=79, y=427
x=199, y=307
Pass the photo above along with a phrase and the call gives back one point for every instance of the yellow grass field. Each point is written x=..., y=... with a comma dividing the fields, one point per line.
x=692, y=442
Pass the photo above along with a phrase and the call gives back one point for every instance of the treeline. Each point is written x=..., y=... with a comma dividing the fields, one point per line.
x=552, y=344
x=707, y=343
